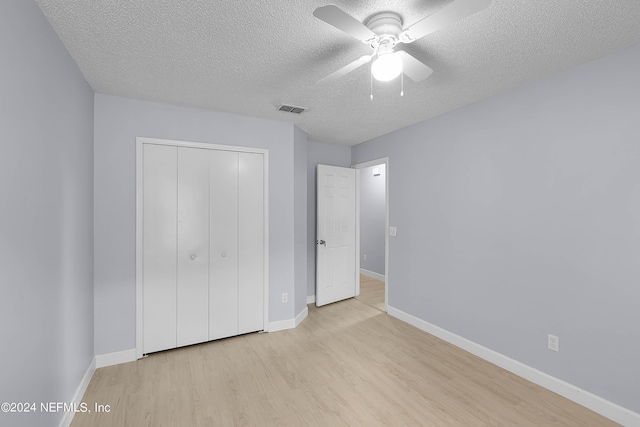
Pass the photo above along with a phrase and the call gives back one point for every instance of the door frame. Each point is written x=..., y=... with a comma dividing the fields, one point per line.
x=381, y=161
x=140, y=142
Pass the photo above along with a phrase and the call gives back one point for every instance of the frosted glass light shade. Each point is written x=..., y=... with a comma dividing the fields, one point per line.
x=386, y=67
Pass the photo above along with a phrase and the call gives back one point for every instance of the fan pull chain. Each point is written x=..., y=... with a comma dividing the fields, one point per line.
x=401, y=84
x=371, y=88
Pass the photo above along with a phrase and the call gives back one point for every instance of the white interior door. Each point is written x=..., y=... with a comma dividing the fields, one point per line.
x=223, y=278
x=336, y=248
x=160, y=173
x=192, y=279
x=250, y=242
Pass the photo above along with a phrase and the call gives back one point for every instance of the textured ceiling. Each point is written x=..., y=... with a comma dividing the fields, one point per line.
x=248, y=57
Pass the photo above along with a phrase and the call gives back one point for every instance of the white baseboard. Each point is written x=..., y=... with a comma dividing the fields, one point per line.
x=311, y=299
x=79, y=394
x=301, y=316
x=281, y=325
x=115, y=358
x=589, y=400
x=373, y=274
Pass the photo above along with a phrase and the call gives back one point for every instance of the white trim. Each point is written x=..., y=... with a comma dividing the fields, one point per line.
x=116, y=358
x=67, y=418
x=203, y=145
x=373, y=274
x=282, y=325
x=376, y=162
x=582, y=397
x=265, y=251
x=140, y=141
x=386, y=233
x=139, y=253
x=311, y=299
x=357, y=201
x=301, y=316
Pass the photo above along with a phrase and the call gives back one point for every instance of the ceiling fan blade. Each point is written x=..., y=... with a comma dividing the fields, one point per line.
x=446, y=16
x=345, y=70
x=413, y=68
x=340, y=19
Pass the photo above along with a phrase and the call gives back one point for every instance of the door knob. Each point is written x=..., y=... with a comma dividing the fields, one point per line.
x=321, y=242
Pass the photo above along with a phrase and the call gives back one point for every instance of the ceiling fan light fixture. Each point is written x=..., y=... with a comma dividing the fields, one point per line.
x=386, y=67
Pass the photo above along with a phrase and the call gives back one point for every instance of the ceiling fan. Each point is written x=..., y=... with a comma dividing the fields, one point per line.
x=383, y=31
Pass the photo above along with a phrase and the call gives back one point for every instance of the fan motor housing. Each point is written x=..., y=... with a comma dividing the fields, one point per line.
x=385, y=24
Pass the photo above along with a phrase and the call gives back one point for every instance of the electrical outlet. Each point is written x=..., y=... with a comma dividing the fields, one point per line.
x=285, y=297
x=553, y=343
x=364, y=257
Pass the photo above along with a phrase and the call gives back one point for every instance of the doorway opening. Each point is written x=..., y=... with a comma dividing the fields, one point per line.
x=374, y=236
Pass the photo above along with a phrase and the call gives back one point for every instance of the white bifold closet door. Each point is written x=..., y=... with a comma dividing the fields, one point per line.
x=223, y=281
x=192, y=277
x=203, y=245
x=160, y=187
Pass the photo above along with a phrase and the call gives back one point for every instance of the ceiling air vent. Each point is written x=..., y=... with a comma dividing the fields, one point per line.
x=292, y=109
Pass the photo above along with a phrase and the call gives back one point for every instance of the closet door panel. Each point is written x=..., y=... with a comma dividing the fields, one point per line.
x=251, y=243
x=223, y=276
x=159, y=253
x=193, y=246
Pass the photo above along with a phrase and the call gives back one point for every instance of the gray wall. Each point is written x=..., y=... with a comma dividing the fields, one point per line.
x=372, y=217
x=300, y=218
x=325, y=154
x=46, y=216
x=118, y=121
x=519, y=216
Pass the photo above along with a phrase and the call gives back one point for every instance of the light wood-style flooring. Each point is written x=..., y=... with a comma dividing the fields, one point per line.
x=371, y=292
x=347, y=364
